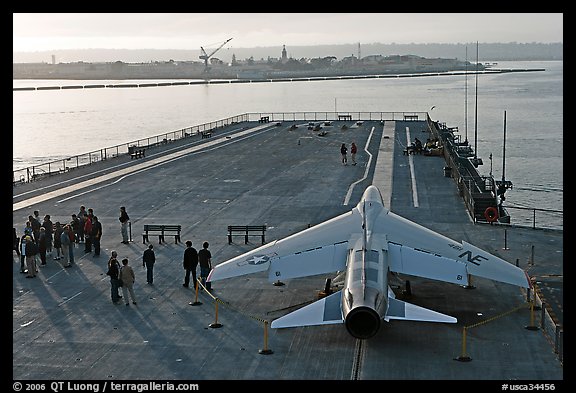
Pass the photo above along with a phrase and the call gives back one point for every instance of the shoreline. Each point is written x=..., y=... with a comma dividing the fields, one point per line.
x=178, y=82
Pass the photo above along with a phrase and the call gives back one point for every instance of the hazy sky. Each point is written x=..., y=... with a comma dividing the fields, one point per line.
x=37, y=32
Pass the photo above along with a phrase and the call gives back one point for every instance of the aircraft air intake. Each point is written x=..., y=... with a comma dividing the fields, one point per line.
x=363, y=322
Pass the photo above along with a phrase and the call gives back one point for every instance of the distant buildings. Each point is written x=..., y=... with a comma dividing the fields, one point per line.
x=240, y=69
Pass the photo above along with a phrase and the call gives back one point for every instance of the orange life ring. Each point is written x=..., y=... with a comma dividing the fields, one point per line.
x=491, y=214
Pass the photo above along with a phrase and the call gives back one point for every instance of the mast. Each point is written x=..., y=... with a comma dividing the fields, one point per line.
x=504, y=185
x=466, y=98
x=476, y=111
x=504, y=152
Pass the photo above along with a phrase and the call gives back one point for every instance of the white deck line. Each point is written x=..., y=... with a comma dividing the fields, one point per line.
x=383, y=171
x=132, y=169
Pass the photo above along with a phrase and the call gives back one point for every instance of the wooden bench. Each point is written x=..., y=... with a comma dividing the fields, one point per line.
x=410, y=117
x=264, y=119
x=206, y=134
x=246, y=231
x=345, y=117
x=161, y=231
x=138, y=153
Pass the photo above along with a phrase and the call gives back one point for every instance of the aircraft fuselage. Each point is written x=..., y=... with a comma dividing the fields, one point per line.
x=364, y=297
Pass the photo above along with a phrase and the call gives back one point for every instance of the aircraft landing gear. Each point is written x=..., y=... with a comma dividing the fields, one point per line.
x=408, y=291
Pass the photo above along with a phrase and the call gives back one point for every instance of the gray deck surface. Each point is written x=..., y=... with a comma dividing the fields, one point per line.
x=65, y=326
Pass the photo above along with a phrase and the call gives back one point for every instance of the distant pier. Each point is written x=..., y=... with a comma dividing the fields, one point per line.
x=130, y=84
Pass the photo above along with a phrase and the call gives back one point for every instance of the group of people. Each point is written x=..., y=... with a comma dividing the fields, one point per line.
x=123, y=276
x=192, y=258
x=344, y=153
x=42, y=237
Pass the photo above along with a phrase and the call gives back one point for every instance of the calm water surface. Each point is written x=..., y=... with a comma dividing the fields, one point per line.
x=51, y=124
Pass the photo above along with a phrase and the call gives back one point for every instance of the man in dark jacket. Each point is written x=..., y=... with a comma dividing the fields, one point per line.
x=205, y=259
x=96, y=235
x=148, y=260
x=113, y=272
x=190, y=264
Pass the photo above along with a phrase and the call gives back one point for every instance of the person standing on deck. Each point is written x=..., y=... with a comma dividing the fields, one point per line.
x=23, y=253
x=35, y=225
x=128, y=278
x=42, y=246
x=31, y=250
x=57, y=240
x=49, y=229
x=190, y=264
x=353, y=151
x=82, y=218
x=75, y=225
x=96, y=235
x=205, y=260
x=87, y=234
x=15, y=242
x=65, y=244
x=114, y=272
x=148, y=260
x=72, y=238
x=124, y=220
x=343, y=152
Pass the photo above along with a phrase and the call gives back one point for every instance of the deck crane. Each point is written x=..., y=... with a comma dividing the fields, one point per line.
x=204, y=56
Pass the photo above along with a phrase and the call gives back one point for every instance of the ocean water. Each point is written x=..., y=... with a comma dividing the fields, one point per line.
x=62, y=123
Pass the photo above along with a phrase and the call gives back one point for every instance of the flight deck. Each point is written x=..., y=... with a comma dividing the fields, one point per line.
x=287, y=176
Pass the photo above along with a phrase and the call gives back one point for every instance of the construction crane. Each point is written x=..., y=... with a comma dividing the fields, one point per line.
x=204, y=56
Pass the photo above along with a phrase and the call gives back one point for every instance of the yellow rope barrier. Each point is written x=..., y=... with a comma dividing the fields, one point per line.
x=465, y=358
x=266, y=350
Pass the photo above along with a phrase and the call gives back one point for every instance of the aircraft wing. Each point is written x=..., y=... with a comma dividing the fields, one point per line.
x=319, y=249
x=419, y=251
x=407, y=260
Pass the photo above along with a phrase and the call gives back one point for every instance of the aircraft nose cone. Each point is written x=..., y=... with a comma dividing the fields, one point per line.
x=362, y=322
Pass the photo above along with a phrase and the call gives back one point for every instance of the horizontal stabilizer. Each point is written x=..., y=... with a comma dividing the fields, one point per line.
x=397, y=309
x=325, y=311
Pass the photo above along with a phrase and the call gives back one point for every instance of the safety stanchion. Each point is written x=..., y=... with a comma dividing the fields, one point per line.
x=196, y=302
x=535, y=294
x=463, y=357
x=266, y=350
x=216, y=324
x=505, y=241
x=531, y=326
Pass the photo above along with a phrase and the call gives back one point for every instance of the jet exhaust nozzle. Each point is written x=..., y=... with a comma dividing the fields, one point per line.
x=363, y=322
